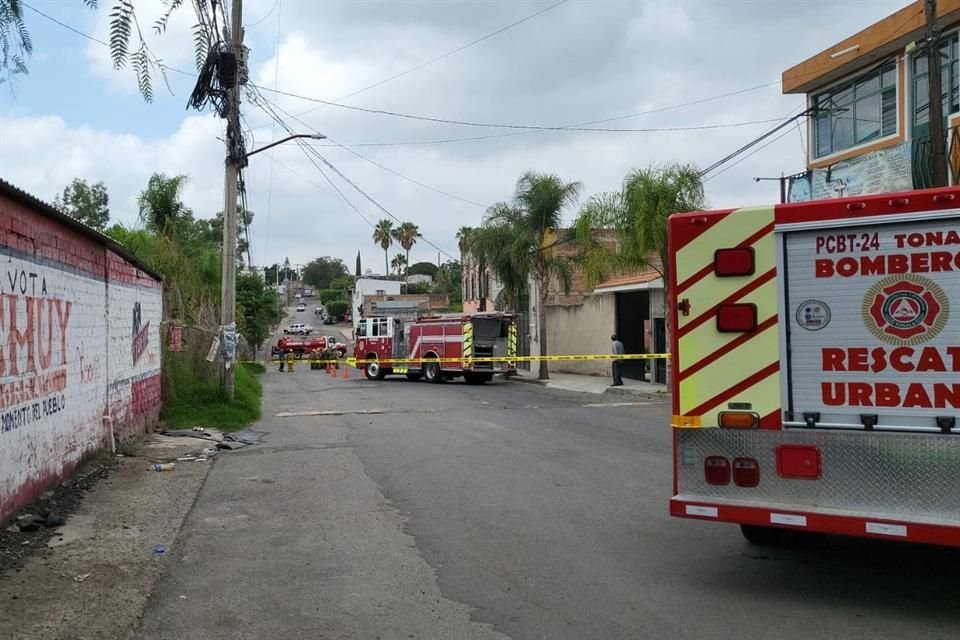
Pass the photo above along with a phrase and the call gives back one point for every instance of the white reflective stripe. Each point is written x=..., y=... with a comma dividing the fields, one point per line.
x=710, y=512
x=786, y=518
x=882, y=528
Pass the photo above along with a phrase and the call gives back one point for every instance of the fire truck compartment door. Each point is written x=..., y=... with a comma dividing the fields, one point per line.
x=871, y=324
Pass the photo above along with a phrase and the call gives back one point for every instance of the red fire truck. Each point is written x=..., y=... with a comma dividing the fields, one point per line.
x=816, y=367
x=438, y=348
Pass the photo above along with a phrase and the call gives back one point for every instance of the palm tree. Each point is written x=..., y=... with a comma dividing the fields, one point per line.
x=517, y=240
x=464, y=236
x=406, y=235
x=383, y=235
x=160, y=205
x=637, y=215
x=398, y=263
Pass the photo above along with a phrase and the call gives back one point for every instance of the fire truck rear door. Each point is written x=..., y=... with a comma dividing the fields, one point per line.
x=871, y=337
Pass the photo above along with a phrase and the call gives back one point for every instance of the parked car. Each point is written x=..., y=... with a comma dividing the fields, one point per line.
x=329, y=320
x=299, y=329
x=301, y=307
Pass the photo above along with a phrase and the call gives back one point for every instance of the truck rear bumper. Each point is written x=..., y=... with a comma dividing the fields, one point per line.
x=815, y=519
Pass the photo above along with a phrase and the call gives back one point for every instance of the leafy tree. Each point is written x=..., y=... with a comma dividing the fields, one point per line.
x=637, y=215
x=320, y=272
x=258, y=308
x=215, y=233
x=337, y=308
x=518, y=237
x=383, y=236
x=423, y=269
x=406, y=235
x=398, y=263
x=161, y=209
x=449, y=280
x=329, y=295
x=419, y=287
x=87, y=203
x=342, y=283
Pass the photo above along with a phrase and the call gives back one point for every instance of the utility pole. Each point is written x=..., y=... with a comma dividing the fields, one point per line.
x=783, y=185
x=235, y=156
x=938, y=141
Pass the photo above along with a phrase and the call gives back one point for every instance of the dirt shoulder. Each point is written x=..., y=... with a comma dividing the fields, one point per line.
x=91, y=577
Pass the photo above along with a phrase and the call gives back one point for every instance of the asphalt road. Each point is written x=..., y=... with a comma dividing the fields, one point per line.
x=396, y=509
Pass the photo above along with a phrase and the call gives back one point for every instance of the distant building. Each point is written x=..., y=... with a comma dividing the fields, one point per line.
x=370, y=287
x=870, y=128
x=420, y=278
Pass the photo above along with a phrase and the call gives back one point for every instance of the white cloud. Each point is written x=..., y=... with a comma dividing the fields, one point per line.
x=56, y=153
x=582, y=61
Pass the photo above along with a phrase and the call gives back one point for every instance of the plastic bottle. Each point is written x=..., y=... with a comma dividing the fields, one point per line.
x=167, y=466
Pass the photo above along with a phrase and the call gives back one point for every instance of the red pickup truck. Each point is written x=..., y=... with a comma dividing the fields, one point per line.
x=308, y=344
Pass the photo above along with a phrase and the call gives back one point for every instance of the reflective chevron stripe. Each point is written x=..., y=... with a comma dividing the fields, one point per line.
x=717, y=370
x=467, y=345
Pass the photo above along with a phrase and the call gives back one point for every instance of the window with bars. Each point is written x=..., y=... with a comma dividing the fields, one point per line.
x=949, y=83
x=856, y=112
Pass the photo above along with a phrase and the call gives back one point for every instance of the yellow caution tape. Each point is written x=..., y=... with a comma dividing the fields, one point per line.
x=485, y=359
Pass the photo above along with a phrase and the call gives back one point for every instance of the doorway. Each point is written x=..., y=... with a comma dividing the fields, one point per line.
x=633, y=324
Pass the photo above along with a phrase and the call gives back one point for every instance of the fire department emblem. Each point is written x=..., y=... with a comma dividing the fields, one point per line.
x=905, y=309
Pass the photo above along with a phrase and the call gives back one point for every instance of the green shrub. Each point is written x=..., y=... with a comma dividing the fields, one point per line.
x=199, y=402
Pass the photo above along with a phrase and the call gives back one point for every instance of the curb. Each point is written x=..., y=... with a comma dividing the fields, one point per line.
x=660, y=397
x=542, y=383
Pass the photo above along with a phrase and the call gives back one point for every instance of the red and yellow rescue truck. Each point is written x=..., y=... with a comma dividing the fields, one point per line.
x=816, y=367
x=437, y=348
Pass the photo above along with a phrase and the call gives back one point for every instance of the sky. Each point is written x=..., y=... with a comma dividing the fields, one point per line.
x=74, y=115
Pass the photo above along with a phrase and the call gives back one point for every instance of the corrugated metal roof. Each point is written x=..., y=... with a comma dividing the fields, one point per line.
x=39, y=206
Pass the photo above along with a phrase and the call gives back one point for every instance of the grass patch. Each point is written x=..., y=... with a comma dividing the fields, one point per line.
x=198, y=402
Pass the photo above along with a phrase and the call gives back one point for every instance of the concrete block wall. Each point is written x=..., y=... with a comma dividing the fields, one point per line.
x=582, y=329
x=69, y=363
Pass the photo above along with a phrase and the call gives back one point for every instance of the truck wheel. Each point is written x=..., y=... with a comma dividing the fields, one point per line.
x=431, y=372
x=755, y=534
x=374, y=371
x=298, y=355
x=413, y=377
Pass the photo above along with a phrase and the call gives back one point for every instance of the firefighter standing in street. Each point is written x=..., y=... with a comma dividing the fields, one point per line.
x=290, y=359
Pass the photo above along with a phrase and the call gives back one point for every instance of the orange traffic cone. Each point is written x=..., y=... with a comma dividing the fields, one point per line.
x=346, y=372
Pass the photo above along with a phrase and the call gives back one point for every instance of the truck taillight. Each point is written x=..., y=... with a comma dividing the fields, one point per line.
x=737, y=261
x=717, y=470
x=746, y=472
x=739, y=317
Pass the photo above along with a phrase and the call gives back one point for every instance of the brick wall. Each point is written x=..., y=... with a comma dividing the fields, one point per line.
x=79, y=350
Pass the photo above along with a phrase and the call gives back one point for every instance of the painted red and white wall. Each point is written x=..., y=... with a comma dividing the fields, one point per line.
x=79, y=347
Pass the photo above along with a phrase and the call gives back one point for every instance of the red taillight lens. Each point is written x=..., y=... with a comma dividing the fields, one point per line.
x=737, y=317
x=717, y=470
x=746, y=472
x=733, y=262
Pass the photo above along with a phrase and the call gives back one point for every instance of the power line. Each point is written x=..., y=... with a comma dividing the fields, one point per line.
x=755, y=151
x=276, y=107
x=64, y=25
x=266, y=106
x=495, y=125
x=408, y=178
x=445, y=55
x=753, y=143
x=269, y=13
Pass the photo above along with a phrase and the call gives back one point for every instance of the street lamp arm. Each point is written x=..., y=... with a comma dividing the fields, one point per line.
x=313, y=136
